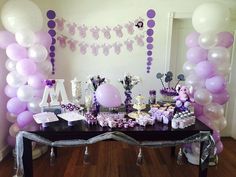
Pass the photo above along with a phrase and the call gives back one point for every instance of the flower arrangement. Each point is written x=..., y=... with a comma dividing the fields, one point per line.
x=169, y=90
x=50, y=82
x=128, y=82
x=93, y=83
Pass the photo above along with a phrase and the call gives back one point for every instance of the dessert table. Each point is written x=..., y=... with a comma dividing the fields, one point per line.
x=59, y=134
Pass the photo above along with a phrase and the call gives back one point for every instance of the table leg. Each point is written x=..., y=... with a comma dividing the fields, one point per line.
x=172, y=153
x=203, y=166
x=27, y=158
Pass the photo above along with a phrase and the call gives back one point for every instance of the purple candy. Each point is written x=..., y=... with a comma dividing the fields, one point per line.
x=151, y=13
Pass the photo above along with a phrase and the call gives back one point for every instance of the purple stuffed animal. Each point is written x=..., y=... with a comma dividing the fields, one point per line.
x=183, y=100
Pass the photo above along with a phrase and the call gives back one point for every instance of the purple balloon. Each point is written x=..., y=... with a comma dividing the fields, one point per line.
x=215, y=84
x=221, y=98
x=24, y=119
x=26, y=67
x=205, y=69
x=44, y=39
x=15, y=106
x=149, y=46
x=36, y=81
x=219, y=147
x=108, y=96
x=196, y=54
x=16, y=52
x=6, y=38
x=192, y=39
x=216, y=136
x=225, y=39
x=10, y=91
x=198, y=109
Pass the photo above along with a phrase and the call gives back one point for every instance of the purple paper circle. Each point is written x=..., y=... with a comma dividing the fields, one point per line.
x=149, y=58
x=149, y=46
x=53, y=72
x=150, y=23
x=52, y=48
x=51, y=24
x=148, y=68
x=53, y=40
x=149, y=53
x=151, y=13
x=149, y=39
x=149, y=63
x=150, y=32
x=51, y=14
x=148, y=71
x=52, y=32
x=52, y=54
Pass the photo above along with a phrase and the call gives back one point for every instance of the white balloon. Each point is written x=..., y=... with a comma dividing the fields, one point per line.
x=10, y=65
x=25, y=93
x=219, y=55
x=188, y=67
x=202, y=96
x=14, y=79
x=210, y=16
x=23, y=14
x=25, y=37
x=33, y=106
x=207, y=40
x=38, y=53
x=45, y=67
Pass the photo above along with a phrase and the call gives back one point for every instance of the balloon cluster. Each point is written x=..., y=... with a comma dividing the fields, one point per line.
x=208, y=64
x=27, y=51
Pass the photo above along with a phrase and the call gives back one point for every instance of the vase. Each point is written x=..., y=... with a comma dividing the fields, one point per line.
x=128, y=101
x=95, y=106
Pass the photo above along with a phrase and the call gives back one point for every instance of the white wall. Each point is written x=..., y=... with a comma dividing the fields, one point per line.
x=112, y=12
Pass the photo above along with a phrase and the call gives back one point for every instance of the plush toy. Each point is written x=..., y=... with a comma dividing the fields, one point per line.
x=183, y=100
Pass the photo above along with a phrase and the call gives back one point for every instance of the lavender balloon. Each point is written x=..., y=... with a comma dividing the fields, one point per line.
x=16, y=52
x=24, y=119
x=205, y=69
x=192, y=40
x=6, y=38
x=219, y=147
x=43, y=38
x=37, y=80
x=108, y=96
x=225, y=39
x=26, y=67
x=10, y=91
x=215, y=84
x=196, y=55
x=15, y=106
x=221, y=98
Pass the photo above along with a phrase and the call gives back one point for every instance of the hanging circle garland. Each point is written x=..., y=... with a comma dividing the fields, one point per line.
x=150, y=23
x=51, y=25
